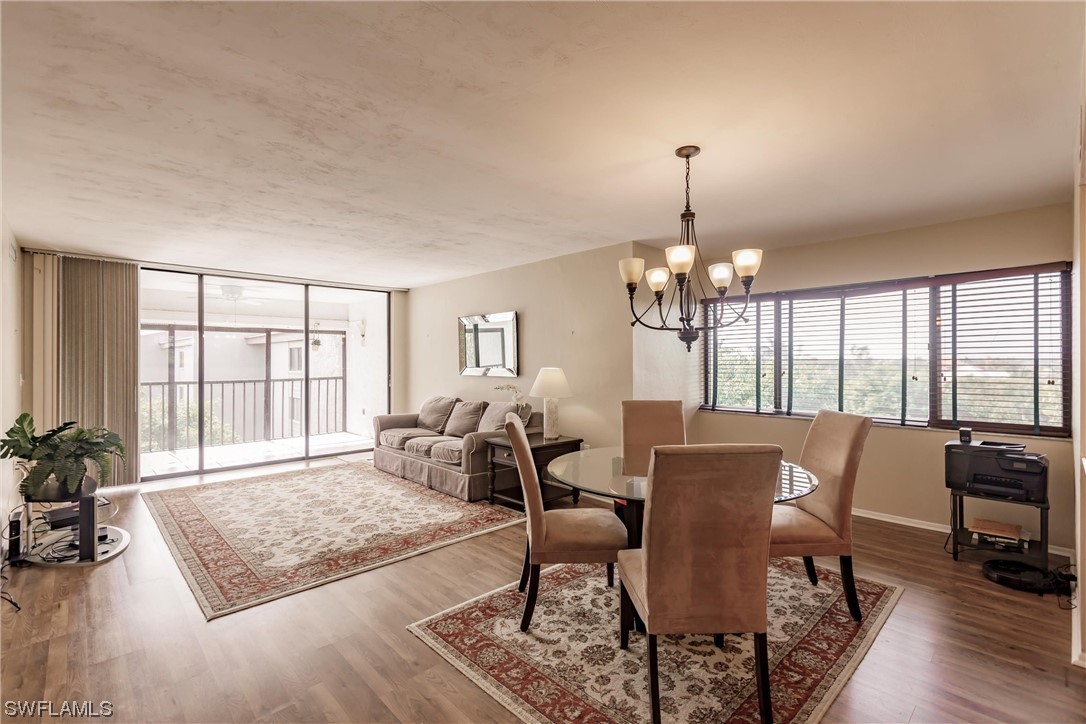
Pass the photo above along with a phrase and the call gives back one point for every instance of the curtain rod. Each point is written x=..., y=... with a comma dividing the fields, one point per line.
x=206, y=270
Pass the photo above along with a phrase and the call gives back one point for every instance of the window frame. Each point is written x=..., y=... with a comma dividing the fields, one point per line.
x=938, y=401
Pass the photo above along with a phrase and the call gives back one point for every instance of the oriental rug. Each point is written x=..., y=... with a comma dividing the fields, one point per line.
x=244, y=542
x=569, y=667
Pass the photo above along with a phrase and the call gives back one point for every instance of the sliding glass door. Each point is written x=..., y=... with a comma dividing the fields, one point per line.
x=232, y=375
x=169, y=381
x=348, y=363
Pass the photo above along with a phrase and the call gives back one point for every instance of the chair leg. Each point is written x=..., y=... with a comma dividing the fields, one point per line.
x=761, y=672
x=527, y=566
x=808, y=563
x=529, y=601
x=610, y=575
x=849, y=583
x=718, y=640
x=625, y=617
x=654, y=680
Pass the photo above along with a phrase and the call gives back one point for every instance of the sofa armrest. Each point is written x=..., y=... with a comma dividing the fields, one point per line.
x=476, y=450
x=390, y=422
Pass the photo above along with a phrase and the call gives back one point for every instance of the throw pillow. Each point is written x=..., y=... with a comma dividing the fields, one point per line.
x=465, y=418
x=434, y=413
x=494, y=417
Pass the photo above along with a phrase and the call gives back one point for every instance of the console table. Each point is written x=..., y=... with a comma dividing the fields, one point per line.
x=543, y=451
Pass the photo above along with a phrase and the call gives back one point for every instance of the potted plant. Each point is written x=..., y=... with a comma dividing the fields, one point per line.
x=54, y=464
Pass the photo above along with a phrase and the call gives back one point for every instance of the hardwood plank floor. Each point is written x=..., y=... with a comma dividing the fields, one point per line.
x=956, y=647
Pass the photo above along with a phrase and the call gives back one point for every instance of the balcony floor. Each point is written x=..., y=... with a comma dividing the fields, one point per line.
x=167, y=462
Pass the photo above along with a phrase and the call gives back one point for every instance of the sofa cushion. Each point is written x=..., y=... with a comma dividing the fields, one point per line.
x=397, y=437
x=494, y=417
x=450, y=451
x=435, y=412
x=421, y=445
x=465, y=417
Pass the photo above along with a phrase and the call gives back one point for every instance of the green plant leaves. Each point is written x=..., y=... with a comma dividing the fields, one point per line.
x=61, y=452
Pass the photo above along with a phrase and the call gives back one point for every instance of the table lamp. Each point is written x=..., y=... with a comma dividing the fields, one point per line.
x=550, y=384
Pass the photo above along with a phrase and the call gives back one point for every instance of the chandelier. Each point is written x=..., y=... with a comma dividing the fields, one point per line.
x=692, y=278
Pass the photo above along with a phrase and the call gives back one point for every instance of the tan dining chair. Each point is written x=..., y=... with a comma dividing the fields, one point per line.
x=645, y=424
x=820, y=524
x=581, y=535
x=704, y=561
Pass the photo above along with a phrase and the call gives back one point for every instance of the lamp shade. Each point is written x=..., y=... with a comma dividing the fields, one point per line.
x=657, y=278
x=631, y=269
x=680, y=258
x=721, y=274
x=551, y=382
x=747, y=262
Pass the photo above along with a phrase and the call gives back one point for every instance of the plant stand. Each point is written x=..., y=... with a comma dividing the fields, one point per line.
x=85, y=544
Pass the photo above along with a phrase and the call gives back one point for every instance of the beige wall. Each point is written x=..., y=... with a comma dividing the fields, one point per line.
x=572, y=313
x=11, y=358
x=1078, y=631
x=902, y=472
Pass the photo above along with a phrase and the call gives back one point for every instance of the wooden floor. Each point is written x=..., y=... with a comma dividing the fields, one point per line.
x=956, y=648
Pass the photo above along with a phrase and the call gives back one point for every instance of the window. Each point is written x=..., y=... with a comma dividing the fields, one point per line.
x=988, y=350
x=295, y=364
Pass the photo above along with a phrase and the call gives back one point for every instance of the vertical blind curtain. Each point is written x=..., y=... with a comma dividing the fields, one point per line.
x=42, y=337
x=99, y=352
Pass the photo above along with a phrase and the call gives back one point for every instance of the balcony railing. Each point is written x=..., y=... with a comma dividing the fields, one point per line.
x=237, y=411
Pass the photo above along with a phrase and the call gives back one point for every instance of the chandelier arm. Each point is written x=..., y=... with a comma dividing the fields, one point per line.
x=633, y=310
x=671, y=303
x=739, y=317
x=638, y=320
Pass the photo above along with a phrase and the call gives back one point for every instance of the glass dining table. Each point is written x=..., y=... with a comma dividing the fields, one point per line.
x=599, y=471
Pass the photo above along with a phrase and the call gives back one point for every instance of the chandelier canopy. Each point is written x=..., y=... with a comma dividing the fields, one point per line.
x=691, y=279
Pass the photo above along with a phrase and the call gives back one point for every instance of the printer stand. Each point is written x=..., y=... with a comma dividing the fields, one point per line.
x=962, y=538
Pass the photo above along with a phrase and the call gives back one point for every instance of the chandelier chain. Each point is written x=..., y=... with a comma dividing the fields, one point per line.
x=687, y=183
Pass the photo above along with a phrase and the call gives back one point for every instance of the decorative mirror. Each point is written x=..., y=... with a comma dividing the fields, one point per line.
x=488, y=345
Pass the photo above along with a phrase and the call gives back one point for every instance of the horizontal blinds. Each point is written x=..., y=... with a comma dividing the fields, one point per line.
x=815, y=347
x=735, y=364
x=1002, y=348
x=988, y=352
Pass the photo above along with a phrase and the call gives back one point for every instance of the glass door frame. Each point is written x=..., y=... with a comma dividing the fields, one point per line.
x=306, y=386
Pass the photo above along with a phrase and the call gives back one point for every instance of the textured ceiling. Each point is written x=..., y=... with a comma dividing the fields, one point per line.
x=401, y=144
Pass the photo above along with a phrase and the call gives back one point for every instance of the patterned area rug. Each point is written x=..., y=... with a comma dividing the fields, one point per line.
x=569, y=667
x=245, y=542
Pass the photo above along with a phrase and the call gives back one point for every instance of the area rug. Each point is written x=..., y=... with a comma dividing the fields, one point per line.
x=244, y=542
x=569, y=668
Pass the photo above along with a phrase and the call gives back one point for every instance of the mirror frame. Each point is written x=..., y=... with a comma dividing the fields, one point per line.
x=504, y=322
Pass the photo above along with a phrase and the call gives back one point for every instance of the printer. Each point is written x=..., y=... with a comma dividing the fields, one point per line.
x=997, y=469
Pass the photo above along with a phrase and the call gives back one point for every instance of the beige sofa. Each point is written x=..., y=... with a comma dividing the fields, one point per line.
x=444, y=445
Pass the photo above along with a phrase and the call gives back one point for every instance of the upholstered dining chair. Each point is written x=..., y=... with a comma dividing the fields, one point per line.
x=581, y=535
x=646, y=423
x=704, y=561
x=820, y=524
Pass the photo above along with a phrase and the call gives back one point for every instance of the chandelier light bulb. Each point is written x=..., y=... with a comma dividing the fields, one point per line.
x=721, y=274
x=657, y=278
x=631, y=270
x=680, y=258
x=747, y=262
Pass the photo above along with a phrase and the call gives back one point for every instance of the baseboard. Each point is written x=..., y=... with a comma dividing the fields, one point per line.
x=1080, y=660
x=938, y=527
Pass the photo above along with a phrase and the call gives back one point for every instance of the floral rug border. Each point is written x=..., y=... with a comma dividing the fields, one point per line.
x=197, y=577
x=872, y=624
